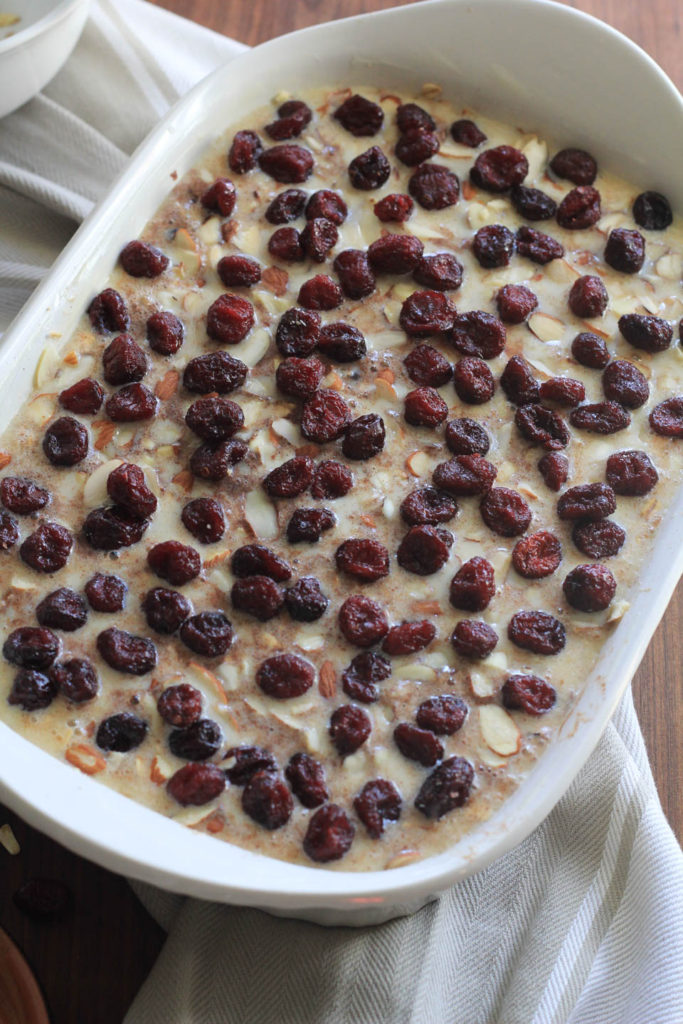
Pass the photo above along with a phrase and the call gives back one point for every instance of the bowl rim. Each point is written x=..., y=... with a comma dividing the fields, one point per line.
x=44, y=24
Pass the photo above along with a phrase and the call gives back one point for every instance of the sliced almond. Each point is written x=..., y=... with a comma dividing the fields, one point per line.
x=252, y=350
x=5, y=459
x=670, y=266
x=418, y=464
x=275, y=279
x=483, y=687
x=421, y=673
x=546, y=327
x=260, y=514
x=385, y=391
x=9, y=840
x=95, y=490
x=85, y=758
x=478, y=215
x=618, y=610
x=388, y=508
x=190, y=816
x=167, y=386
x=499, y=731
x=184, y=240
x=327, y=680
x=402, y=858
x=104, y=431
x=47, y=367
x=536, y=153
x=184, y=479
x=392, y=311
x=210, y=231
x=286, y=429
x=160, y=771
x=432, y=90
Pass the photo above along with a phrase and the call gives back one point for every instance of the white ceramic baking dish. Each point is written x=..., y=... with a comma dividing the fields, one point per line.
x=548, y=68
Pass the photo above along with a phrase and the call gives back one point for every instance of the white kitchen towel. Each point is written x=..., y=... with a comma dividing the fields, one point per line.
x=582, y=924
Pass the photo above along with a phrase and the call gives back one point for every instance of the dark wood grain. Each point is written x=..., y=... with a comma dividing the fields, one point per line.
x=91, y=964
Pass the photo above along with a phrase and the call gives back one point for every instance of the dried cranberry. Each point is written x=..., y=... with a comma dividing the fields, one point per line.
x=293, y=116
x=590, y=350
x=589, y=588
x=364, y=437
x=9, y=531
x=537, y=632
x=467, y=437
x=121, y=733
x=528, y=693
x=473, y=586
x=446, y=788
x=425, y=407
x=477, y=333
x=286, y=206
x=600, y=418
x=106, y=593
x=319, y=238
x=427, y=506
x=48, y=548
x=289, y=164
x=297, y=332
x=652, y=210
x=349, y=728
x=229, y=319
x=426, y=366
x=65, y=442
x=378, y=801
x=366, y=560
x=285, y=676
x=220, y=197
x=498, y=169
x=299, y=378
x=23, y=496
x=215, y=371
x=31, y=647
x=515, y=302
x=601, y=539
x=537, y=555
x=214, y=419
x=411, y=117
x=493, y=245
x=355, y=275
x=205, y=519
x=108, y=312
x=505, y=512
x=290, y=479
x=244, y=152
x=307, y=525
x=238, y=271
x=624, y=383
x=465, y=475
x=213, y=461
x=125, y=652
x=175, y=562
x=285, y=244
x=360, y=116
x=209, y=634
x=363, y=621
x=257, y=560
x=165, y=610
x=409, y=637
x=197, y=742
x=62, y=609
x=554, y=468
x=31, y=690
x=538, y=247
x=649, y=333
x=140, y=259
x=85, y=397
x=258, y=596
x=588, y=296
x=248, y=761
x=579, y=209
x=131, y=403
x=165, y=334
x=473, y=639
x=443, y=715
x=474, y=382
x=305, y=601
x=359, y=680
x=587, y=501
x=320, y=292
x=395, y=208
x=631, y=473
x=266, y=800
x=108, y=529
x=666, y=419
x=324, y=417
x=440, y=271
x=126, y=486
x=434, y=187
x=329, y=834
x=370, y=170
x=532, y=203
x=196, y=784
x=467, y=133
x=180, y=705
x=331, y=480
x=415, y=146
x=327, y=204
x=341, y=342
x=625, y=250
x=75, y=679
x=564, y=390
x=424, y=550
x=395, y=254
x=124, y=361
x=542, y=426
x=576, y=165
x=426, y=312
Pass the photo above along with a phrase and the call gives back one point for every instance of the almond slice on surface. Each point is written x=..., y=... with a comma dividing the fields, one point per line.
x=498, y=730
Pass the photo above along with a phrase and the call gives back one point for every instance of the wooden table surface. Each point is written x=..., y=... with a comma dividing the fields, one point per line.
x=91, y=964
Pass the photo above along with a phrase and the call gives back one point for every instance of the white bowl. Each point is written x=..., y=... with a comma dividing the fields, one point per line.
x=33, y=50
x=544, y=65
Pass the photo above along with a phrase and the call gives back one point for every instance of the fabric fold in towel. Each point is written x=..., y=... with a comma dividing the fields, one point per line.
x=581, y=924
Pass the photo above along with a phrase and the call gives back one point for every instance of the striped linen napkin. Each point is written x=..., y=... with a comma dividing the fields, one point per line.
x=581, y=924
